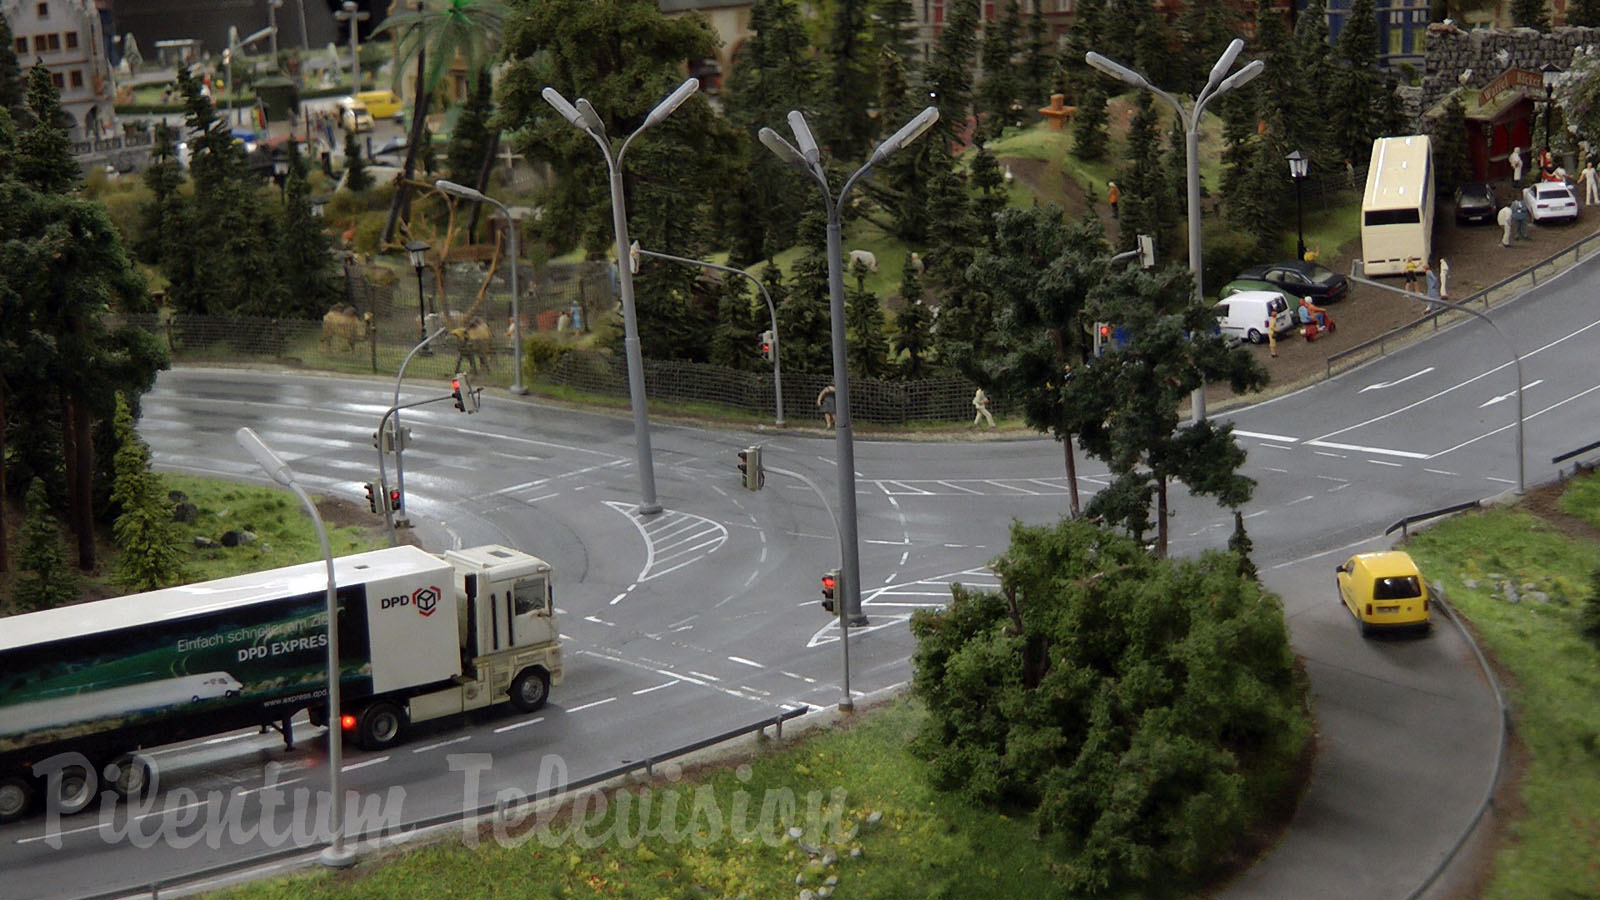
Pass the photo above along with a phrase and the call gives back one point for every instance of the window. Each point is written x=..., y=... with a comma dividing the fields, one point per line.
x=530, y=597
x=77, y=78
x=72, y=40
x=39, y=43
x=57, y=80
x=1393, y=217
x=54, y=41
x=43, y=10
x=22, y=46
x=1402, y=587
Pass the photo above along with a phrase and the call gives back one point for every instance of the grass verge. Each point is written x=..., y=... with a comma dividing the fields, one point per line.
x=1552, y=848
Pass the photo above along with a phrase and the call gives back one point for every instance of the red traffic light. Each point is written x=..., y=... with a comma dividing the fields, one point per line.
x=829, y=581
x=394, y=498
x=1105, y=331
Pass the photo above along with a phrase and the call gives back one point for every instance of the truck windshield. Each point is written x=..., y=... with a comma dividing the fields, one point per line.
x=530, y=597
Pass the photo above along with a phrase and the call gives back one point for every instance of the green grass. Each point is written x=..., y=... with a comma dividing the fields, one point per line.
x=1555, y=680
x=927, y=844
x=1582, y=499
x=277, y=518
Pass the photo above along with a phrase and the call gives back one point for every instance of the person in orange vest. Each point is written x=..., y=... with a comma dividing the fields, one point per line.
x=1112, y=196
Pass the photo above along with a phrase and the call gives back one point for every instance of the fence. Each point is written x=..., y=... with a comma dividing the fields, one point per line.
x=1505, y=289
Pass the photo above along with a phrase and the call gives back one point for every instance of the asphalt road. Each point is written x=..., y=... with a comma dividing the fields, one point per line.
x=705, y=617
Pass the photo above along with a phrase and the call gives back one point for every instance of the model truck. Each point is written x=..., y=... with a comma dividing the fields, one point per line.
x=420, y=637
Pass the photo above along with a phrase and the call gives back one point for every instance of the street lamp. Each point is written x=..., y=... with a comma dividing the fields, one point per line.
x=805, y=157
x=398, y=434
x=1219, y=83
x=418, y=251
x=337, y=855
x=635, y=251
x=272, y=24
x=585, y=119
x=466, y=193
x=348, y=12
x=1549, y=74
x=1297, y=170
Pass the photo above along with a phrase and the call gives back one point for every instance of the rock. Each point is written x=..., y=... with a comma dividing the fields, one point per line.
x=1470, y=584
x=1538, y=596
x=185, y=512
x=808, y=894
x=855, y=853
x=808, y=849
x=799, y=879
x=830, y=858
x=177, y=496
x=875, y=817
x=833, y=880
x=795, y=832
x=1509, y=591
x=1496, y=576
x=230, y=538
x=247, y=537
x=824, y=891
x=201, y=542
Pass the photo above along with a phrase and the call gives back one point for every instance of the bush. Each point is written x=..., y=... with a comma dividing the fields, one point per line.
x=1228, y=251
x=1148, y=711
x=1589, y=615
x=542, y=353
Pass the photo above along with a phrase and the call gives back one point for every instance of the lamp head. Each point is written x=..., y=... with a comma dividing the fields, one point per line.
x=784, y=150
x=1297, y=165
x=673, y=101
x=567, y=111
x=264, y=457
x=592, y=122
x=1225, y=62
x=1115, y=70
x=803, y=140
x=1242, y=77
x=908, y=132
x=460, y=190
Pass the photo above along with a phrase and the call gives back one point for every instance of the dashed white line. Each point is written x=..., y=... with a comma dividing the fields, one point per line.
x=599, y=621
x=425, y=748
x=618, y=598
x=1384, y=462
x=704, y=675
x=1357, y=448
x=515, y=725
x=747, y=662
x=1442, y=472
x=665, y=684
x=279, y=784
x=1265, y=437
x=364, y=763
x=1326, y=453
x=1301, y=500
x=590, y=705
x=1501, y=480
x=1276, y=447
x=903, y=556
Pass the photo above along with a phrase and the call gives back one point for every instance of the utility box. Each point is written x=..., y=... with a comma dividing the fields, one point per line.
x=750, y=467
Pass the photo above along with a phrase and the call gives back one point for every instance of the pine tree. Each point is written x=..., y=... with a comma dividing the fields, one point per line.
x=469, y=142
x=44, y=151
x=356, y=177
x=998, y=90
x=895, y=32
x=848, y=62
x=1090, y=139
x=304, y=247
x=46, y=580
x=162, y=217
x=1206, y=27
x=949, y=73
x=1584, y=13
x=1450, y=154
x=991, y=198
x=144, y=531
x=1530, y=14
x=1359, y=90
x=734, y=343
x=867, y=347
x=804, y=315
x=12, y=84
x=911, y=323
x=1037, y=65
x=1083, y=36
x=1143, y=180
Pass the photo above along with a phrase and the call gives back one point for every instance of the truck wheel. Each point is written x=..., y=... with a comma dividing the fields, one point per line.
x=75, y=789
x=129, y=775
x=380, y=725
x=530, y=690
x=16, y=797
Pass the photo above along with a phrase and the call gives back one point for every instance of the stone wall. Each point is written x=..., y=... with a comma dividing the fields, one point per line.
x=1488, y=53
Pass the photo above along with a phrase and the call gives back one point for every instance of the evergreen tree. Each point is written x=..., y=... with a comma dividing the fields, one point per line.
x=1153, y=42
x=1206, y=27
x=1359, y=89
x=309, y=277
x=1084, y=35
x=12, y=84
x=734, y=343
x=46, y=581
x=912, y=323
x=469, y=142
x=144, y=530
x=867, y=347
x=44, y=151
x=1037, y=64
x=1257, y=205
x=1450, y=155
x=1316, y=71
x=998, y=90
x=1239, y=545
x=895, y=32
x=949, y=73
x=1580, y=13
x=162, y=217
x=1090, y=138
x=848, y=61
x=1530, y=14
x=356, y=177
x=804, y=319
x=989, y=181
x=1143, y=180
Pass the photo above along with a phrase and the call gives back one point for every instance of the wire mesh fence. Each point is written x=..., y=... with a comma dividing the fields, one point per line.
x=380, y=321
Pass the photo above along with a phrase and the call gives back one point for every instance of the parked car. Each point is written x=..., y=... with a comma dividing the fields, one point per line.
x=1252, y=314
x=1475, y=203
x=1302, y=279
x=1383, y=591
x=1239, y=285
x=354, y=115
x=1549, y=201
x=381, y=104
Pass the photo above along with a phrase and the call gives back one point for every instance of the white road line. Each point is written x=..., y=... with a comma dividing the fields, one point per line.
x=704, y=675
x=909, y=488
x=523, y=724
x=599, y=621
x=1389, y=384
x=1384, y=462
x=1541, y=412
x=1357, y=448
x=1264, y=436
x=279, y=784
x=364, y=763
x=1332, y=478
x=1326, y=453
x=1338, y=487
x=746, y=687
x=959, y=488
x=617, y=599
x=1493, y=400
x=1278, y=470
x=426, y=747
x=889, y=579
x=1293, y=502
x=1254, y=514
x=747, y=662
x=1501, y=480
x=665, y=684
x=590, y=705
x=1008, y=487
x=903, y=557
x=1442, y=472
x=1275, y=447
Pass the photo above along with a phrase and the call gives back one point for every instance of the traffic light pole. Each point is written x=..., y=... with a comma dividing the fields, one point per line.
x=383, y=478
x=399, y=433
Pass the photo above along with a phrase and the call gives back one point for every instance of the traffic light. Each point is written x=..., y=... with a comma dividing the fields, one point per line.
x=830, y=581
x=1102, y=337
x=768, y=345
x=394, y=498
x=461, y=391
x=750, y=470
x=372, y=495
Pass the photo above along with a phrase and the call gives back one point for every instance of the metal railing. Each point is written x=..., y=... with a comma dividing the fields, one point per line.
x=1505, y=289
x=1404, y=524
x=153, y=889
x=1571, y=453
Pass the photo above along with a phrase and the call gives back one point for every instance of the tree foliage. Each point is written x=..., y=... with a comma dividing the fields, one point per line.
x=304, y=249
x=1450, y=152
x=1148, y=712
x=46, y=581
x=849, y=75
x=12, y=88
x=1090, y=139
x=44, y=151
x=1530, y=14
x=998, y=89
x=144, y=530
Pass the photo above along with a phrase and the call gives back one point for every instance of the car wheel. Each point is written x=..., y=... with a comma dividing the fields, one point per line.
x=1255, y=337
x=530, y=690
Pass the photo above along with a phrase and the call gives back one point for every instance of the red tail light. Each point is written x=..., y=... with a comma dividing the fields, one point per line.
x=347, y=722
x=1369, y=609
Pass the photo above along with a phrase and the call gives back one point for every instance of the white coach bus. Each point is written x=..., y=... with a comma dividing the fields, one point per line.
x=1397, y=208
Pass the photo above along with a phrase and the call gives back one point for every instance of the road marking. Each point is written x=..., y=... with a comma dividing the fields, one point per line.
x=1333, y=478
x=671, y=524
x=1501, y=480
x=1389, y=384
x=746, y=687
x=364, y=763
x=903, y=557
x=1263, y=436
x=1535, y=415
x=1442, y=472
x=1357, y=448
x=515, y=725
x=704, y=675
x=747, y=662
x=1326, y=453
x=599, y=621
x=617, y=599
x=1493, y=400
x=1276, y=447
x=665, y=684
x=959, y=488
x=1293, y=502
x=279, y=784
x=590, y=705
x=427, y=747
x=1384, y=462
x=1339, y=487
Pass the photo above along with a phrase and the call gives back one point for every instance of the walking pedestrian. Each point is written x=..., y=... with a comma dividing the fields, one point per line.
x=1515, y=159
x=1113, y=194
x=1411, y=275
x=1433, y=286
x=826, y=399
x=1272, y=338
x=980, y=402
x=1591, y=187
x=1519, y=218
x=1503, y=219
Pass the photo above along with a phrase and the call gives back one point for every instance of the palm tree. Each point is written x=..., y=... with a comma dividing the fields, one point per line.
x=434, y=37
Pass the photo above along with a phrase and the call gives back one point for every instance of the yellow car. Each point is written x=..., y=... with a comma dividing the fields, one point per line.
x=381, y=104
x=1384, y=591
x=353, y=115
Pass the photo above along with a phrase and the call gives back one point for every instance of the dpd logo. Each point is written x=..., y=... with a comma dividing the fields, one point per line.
x=426, y=600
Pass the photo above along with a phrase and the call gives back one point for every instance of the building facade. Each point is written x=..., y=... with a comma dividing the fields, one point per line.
x=66, y=37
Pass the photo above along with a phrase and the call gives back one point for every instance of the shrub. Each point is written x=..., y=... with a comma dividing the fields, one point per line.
x=542, y=353
x=1589, y=615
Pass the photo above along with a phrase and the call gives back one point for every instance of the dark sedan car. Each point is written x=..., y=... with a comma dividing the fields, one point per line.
x=1302, y=279
x=1475, y=203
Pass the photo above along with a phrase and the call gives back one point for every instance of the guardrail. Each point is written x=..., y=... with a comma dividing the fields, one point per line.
x=1505, y=289
x=153, y=889
x=1571, y=453
x=1405, y=523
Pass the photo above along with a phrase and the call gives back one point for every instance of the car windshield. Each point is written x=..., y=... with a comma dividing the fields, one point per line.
x=1553, y=192
x=1401, y=587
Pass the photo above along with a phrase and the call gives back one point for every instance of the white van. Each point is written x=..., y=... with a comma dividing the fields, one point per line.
x=1250, y=314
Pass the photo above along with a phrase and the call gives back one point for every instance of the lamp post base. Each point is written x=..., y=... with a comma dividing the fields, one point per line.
x=338, y=858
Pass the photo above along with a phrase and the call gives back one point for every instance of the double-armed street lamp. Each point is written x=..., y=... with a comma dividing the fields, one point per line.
x=1219, y=83
x=466, y=193
x=336, y=855
x=806, y=157
x=1298, y=164
x=582, y=115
